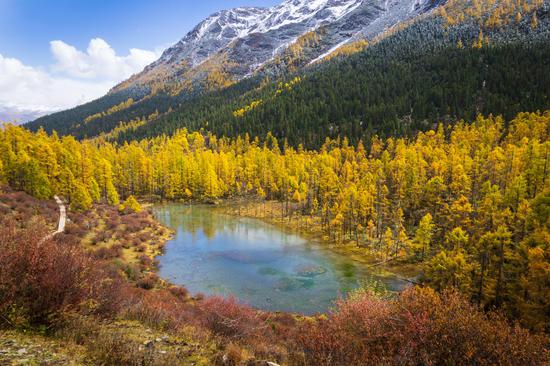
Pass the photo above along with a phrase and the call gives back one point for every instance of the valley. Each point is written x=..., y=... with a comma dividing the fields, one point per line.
x=328, y=182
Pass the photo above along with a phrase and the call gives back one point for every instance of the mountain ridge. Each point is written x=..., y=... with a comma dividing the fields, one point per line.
x=450, y=63
x=241, y=41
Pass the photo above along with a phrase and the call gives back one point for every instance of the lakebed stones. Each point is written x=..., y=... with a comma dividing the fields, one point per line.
x=293, y=283
x=310, y=270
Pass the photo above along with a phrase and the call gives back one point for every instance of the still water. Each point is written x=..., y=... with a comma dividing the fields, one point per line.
x=260, y=265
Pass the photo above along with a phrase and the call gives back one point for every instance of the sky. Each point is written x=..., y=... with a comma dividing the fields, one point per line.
x=56, y=54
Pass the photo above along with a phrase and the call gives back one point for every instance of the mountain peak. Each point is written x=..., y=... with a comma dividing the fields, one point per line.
x=238, y=42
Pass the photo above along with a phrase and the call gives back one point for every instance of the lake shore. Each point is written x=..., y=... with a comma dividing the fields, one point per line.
x=269, y=212
x=309, y=227
x=267, y=266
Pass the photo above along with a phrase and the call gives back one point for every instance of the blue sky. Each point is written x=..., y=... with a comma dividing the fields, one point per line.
x=58, y=53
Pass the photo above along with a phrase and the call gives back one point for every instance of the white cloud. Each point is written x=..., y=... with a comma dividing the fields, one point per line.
x=76, y=77
x=99, y=60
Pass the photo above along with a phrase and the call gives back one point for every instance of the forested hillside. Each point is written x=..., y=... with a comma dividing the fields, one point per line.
x=442, y=67
x=469, y=202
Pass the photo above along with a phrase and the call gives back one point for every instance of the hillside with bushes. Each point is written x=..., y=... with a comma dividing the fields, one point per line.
x=91, y=312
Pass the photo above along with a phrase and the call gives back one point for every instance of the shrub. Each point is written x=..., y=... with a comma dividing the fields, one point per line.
x=145, y=261
x=38, y=280
x=148, y=281
x=143, y=237
x=4, y=210
x=112, y=223
x=179, y=292
x=438, y=328
x=132, y=225
x=358, y=332
x=160, y=308
x=140, y=248
x=105, y=253
x=419, y=328
x=74, y=229
x=228, y=318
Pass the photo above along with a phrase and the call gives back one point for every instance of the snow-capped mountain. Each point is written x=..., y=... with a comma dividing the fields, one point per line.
x=232, y=44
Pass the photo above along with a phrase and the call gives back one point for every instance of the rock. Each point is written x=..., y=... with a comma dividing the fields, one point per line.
x=310, y=270
x=21, y=351
x=261, y=363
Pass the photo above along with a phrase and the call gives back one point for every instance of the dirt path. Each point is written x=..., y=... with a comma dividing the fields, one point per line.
x=62, y=220
x=62, y=215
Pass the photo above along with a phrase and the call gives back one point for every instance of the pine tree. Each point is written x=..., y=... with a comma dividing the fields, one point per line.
x=131, y=204
x=449, y=269
x=423, y=237
x=112, y=195
x=80, y=199
x=534, y=21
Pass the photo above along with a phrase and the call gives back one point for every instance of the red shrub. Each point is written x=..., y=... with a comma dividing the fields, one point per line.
x=74, y=229
x=140, y=248
x=419, y=328
x=159, y=308
x=112, y=223
x=114, y=251
x=133, y=227
x=148, y=281
x=179, y=291
x=4, y=210
x=39, y=280
x=102, y=236
x=438, y=328
x=227, y=318
x=143, y=237
x=358, y=332
x=145, y=261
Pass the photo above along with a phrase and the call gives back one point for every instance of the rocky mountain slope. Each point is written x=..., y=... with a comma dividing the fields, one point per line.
x=235, y=43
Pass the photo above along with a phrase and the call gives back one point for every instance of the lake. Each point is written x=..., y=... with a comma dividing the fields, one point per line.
x=261, y=265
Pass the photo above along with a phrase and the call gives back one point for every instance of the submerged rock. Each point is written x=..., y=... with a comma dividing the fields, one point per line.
x=310, y=270
x=292, y=284
x=269, y=271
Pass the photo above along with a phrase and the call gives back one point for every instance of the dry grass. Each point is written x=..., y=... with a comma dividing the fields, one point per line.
x=125, y=342
x=30, y=348
x=125, y=236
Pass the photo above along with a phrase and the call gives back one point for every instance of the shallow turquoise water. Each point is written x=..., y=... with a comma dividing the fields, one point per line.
x=259, y=264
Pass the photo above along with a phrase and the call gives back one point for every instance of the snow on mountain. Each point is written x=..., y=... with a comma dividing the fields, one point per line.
x=237, y=42
x=301, y=11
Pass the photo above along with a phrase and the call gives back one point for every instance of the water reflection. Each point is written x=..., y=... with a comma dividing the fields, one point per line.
x=259, y=264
